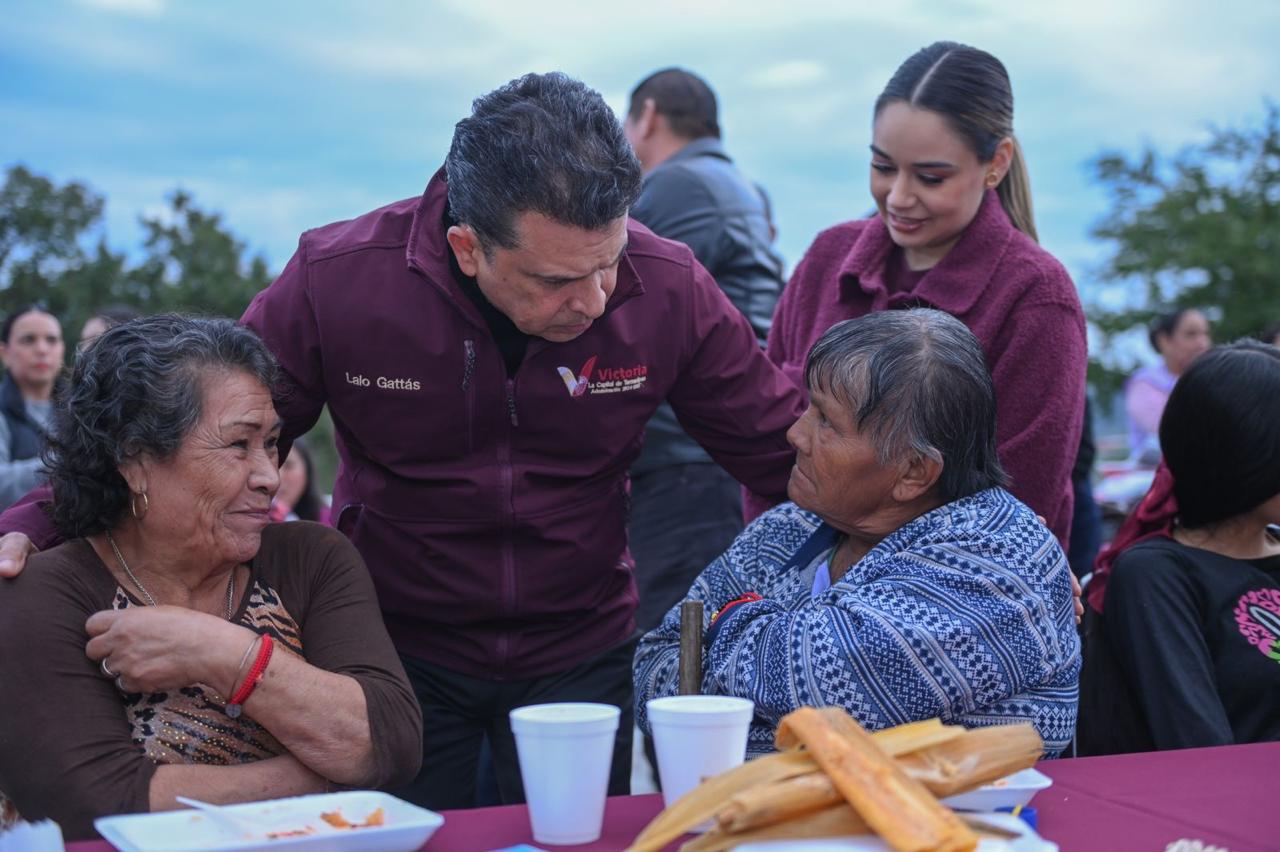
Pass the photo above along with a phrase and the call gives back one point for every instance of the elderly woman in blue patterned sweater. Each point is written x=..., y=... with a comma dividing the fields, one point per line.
x=903, y=582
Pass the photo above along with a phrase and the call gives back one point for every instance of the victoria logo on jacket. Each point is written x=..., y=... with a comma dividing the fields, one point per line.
x=603, y=380
x=577, y=385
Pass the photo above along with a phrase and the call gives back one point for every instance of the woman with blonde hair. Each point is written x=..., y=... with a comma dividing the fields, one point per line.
x=955, y=231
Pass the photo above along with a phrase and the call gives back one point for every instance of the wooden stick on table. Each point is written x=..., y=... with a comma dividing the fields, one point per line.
x=690, y=648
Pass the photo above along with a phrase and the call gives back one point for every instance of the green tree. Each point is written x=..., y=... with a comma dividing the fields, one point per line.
x=52, y=248
x=1201, y=229
x=194, y=263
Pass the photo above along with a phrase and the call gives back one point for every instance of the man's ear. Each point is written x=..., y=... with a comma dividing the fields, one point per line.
x=466, y=248
x=647, y=122
x=918, y=477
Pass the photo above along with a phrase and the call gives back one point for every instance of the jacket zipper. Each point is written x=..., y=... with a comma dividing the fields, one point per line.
x=468, y=372
x=511, y=402
x=469, y=362
x=508, y=521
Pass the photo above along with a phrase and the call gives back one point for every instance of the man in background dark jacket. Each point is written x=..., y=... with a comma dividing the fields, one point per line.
x=686, y=509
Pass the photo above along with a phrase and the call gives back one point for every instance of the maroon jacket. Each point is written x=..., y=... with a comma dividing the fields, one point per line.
x=1013, y=295
x=492, y=511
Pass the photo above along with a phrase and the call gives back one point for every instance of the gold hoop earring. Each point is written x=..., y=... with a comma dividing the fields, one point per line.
x=146, y=505
x=993, y=179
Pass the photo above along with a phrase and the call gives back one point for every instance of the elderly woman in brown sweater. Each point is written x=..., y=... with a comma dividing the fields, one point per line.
x=178, y=643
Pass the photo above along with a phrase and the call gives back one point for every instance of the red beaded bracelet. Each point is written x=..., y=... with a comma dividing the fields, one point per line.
x=256, y=671
x=746, y=597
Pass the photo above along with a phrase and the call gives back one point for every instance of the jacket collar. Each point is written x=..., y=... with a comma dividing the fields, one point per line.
x=707, y=146
x=11, y=401
x=15, y=404
x=428, y=251
x=954, y=285
x=822, y=539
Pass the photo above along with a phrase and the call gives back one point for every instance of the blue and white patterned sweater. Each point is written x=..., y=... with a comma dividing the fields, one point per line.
x=965, y=613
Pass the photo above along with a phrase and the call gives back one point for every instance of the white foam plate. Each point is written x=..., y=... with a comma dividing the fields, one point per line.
x=1027, y=841
x=405, y=827
x=1007, y=792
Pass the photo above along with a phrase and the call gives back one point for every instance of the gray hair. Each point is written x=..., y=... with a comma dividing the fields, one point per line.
x=137, y=391
x=918, y=382
x=544, y=143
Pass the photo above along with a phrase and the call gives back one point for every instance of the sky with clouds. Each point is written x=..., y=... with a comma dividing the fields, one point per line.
x=287, y=115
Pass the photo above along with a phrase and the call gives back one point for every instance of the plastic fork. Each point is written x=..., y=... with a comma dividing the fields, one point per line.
x=229, y=820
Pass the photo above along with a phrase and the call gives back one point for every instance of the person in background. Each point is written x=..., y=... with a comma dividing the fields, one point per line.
x=151, y=672
x=1179, y=337
x=955, y=232
x=686, y=509
x=903, y=583
x=1086, y=518
x=298, y=499
x=106, y=318
x=32, y=349
x=1272, y=334
x=1182, y=632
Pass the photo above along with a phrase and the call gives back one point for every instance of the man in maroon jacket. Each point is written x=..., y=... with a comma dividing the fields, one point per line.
x=490, y=352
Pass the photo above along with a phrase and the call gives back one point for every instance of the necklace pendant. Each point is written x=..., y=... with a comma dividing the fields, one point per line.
x=232, y=711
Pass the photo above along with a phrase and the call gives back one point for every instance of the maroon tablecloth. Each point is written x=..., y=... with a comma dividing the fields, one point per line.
x=1220, y=796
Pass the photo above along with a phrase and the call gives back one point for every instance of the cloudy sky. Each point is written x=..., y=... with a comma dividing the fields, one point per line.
x=287, y=115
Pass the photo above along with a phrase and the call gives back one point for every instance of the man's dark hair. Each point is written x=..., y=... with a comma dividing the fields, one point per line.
x=683, y=97
x=137, y=392
x=1218, y=433
x=918, y=381
x=544, y=143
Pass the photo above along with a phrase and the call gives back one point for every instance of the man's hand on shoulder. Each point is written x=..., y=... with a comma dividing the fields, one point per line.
x=1076, y=592
x=14, y=549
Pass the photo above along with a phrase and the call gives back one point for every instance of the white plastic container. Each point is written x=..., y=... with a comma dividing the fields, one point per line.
x=566, y=752
x=1007, y=792
x=696, y=737
x=404, y=828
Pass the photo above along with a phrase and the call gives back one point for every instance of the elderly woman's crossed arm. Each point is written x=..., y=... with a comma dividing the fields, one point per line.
x=69, y=750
